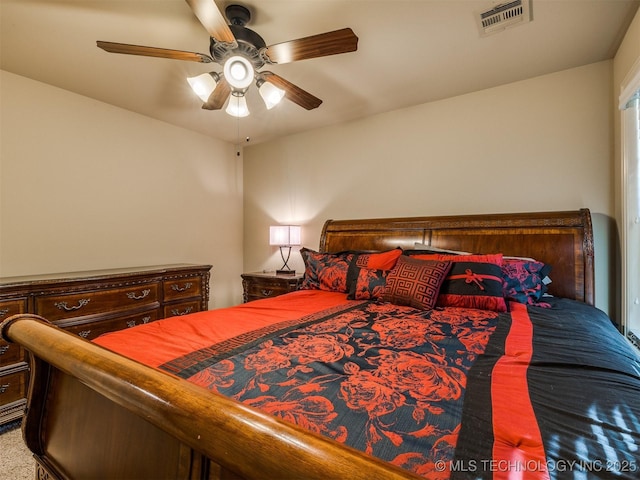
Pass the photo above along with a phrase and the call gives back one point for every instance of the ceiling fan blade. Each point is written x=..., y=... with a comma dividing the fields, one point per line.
x=218, y=96
x=112, y=47
x=321, y=45
x=212, y=20
x=293, y=92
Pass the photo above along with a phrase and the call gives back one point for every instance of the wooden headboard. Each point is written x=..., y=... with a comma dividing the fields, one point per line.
x=563, y=240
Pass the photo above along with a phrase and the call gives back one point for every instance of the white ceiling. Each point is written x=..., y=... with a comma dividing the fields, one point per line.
x=409, y=52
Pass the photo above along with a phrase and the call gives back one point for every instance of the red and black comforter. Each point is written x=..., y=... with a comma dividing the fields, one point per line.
x=446, y=393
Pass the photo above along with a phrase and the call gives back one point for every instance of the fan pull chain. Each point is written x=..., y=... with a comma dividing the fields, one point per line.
x=237, y=136
x=247, y=139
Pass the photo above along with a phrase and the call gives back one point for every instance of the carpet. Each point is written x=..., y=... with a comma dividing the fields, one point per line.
x=16, y=461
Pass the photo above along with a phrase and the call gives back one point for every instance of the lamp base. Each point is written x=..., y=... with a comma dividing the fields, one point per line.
x=285, y=272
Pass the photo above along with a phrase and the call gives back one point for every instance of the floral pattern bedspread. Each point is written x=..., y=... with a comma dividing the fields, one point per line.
x=385, y=379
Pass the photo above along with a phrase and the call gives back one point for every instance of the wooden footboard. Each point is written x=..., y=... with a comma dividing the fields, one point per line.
x=95, y=414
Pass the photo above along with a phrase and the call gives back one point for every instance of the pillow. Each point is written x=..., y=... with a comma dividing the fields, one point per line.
x=524, y=279
x=423, y=248
x=369, y=284
x=378, y=261
x=415, y=283
x=474, y=281
x=325, y=271
x=365, y=277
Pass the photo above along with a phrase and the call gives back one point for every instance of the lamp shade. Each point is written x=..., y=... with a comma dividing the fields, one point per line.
x=270, y=94
x=284, y=235
x=237, y=106
x=204, y=85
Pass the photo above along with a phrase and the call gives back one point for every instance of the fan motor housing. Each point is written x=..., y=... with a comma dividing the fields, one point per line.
x=248, y=43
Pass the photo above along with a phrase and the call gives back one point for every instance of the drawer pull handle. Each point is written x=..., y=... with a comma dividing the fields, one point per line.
x=131, y=323
x=84, y=333
x=3, y=349
x=3, y=312
x=175, y=312
x=176, y=288
x=133, y=296
x=63, y=305
x=146, y=319
x=4, y=388
x=266, y=293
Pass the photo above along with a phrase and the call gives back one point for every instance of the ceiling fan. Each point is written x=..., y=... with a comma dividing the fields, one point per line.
x=242, y=53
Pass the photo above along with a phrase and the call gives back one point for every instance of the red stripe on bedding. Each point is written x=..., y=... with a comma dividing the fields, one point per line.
x=518, y=451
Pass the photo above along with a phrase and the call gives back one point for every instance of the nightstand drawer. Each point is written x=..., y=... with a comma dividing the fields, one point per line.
x=182, y=288
x=266, y=285
x=266, y=289
x=57, y=307
x=91, y=330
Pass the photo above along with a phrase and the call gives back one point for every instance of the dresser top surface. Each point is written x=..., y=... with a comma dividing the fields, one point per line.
x=99, y=274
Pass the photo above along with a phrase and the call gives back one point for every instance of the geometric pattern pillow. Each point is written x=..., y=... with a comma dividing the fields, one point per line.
x=474, y=281
x=325, y=271
x=415, y=283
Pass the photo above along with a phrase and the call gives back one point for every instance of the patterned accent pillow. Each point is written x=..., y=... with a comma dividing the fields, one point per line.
x=378, y=261
x=367, y=273
x=369, y=285
x=325, y=271
x=474, y=281
x=415, y=283
x=523, y=279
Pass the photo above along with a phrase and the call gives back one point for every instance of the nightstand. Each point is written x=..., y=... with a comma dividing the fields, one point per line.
x=259, y=285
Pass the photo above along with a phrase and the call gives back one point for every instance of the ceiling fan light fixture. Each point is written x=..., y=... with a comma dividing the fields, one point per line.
x=238, y=71
x=204, y=85
x=270, y=93
x=237, y=106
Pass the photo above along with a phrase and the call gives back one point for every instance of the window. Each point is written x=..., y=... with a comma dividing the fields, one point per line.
x=630, y=106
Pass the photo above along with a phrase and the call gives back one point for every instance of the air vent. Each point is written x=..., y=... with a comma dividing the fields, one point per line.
x=504, y=15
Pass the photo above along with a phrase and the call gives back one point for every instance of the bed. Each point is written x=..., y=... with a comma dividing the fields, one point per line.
x=428, y=347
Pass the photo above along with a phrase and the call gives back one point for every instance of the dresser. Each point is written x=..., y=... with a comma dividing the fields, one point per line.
x=89, y=304
x=259, y=285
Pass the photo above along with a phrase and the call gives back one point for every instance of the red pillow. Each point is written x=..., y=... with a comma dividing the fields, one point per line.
x=415, y=283
x=474, y=281
x=367, y=273
x=379, y=261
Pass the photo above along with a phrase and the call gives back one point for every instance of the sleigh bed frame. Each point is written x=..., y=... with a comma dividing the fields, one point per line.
x=93, y=413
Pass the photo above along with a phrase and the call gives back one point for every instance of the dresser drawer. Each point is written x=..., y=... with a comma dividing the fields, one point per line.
x=12, y=307
x=91, y=330
x=57, y=307
x=10, y=353
x=13, y=387
x=178, y=288
x=182, y=308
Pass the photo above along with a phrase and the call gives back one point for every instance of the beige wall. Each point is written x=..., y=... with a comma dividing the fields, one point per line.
x=85, y=185
x=540, y=144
